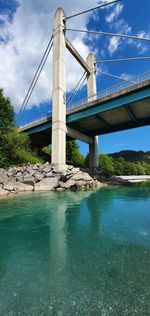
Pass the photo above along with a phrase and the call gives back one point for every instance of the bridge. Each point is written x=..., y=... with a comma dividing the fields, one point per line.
x=118, y=108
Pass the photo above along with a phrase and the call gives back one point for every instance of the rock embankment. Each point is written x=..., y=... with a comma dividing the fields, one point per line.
x=44, y=178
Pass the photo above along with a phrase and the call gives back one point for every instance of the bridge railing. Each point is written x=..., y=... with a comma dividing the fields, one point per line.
x=100, y=94
x=41, y=119
x=128, y=83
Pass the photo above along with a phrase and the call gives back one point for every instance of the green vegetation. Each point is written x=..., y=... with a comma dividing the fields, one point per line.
x=119, y=166
x=14, y=145
x=73, y=155
x=132, y=156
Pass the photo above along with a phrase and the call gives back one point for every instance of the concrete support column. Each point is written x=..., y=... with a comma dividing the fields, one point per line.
x=59, y=92
x=91, y=90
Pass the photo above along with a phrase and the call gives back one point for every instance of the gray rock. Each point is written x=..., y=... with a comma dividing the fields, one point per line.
x=49, y=175
x=3, y=193
x=28, y=179
x=18, y=174
x=74, y=170
x=22, y=187
x=20, y=178
x=36, y=167
x=10, y=184
x=60, y=189
x=30, y=170
x=47, y=169
x=67, y=185
x=80, y=184
x=47, y=184
x=81, y=176
x=38, y=176
x=11, y=172
x=70, y=167
x=3, y=176
x=46, y=163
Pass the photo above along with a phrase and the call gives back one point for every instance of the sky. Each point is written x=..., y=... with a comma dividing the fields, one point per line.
x=25, y=29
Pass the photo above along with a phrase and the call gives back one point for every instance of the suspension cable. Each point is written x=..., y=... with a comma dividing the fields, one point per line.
x=35, y=79
x=92, y=9
x=110, y=34
x=121, y=59
x=80, y=86
x=76, y=87
x=114, y=76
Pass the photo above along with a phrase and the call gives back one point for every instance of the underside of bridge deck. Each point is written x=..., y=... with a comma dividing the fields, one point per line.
x=130, y=108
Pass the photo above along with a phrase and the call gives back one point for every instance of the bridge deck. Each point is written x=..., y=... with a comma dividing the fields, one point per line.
x=121, y=110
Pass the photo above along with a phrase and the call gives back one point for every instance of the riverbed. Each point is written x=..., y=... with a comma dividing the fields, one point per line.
x=76, y=253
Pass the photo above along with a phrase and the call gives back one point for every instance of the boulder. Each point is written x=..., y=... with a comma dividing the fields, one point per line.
x=30, y=170
x=47, y=184
x=3, y=193
x=67, y=185
x=20, y=178
x=18, y=174
x=70, y=167
x=80, y=184
x=22, y=187
x=11, y=172
x=36, y=167
x=60, y=189
x=28, y=179
x=9, y=185
x=81, y=176
x=47, y=169
x=38, y=176
x=49, y=175
x=3, y=176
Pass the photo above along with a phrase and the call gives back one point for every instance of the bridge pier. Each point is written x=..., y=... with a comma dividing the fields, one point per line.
x=92, y=90
x=59, y=92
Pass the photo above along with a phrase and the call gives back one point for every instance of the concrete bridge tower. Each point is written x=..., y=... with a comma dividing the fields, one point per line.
x=59, y=127
x=59, y=92
x=92, y=93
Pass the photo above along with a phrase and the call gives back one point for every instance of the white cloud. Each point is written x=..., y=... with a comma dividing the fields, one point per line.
x=122, y=27
x=22, y=44
x=114, y=43
x=114, y=13
x=127, y=76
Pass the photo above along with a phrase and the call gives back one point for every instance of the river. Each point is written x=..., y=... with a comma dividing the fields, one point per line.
x=76, y=253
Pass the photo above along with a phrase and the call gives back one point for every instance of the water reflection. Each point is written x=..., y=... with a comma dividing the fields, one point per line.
x=76, y=253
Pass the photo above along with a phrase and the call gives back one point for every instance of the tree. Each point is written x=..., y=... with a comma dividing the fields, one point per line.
x=6, y=114
x=73, y=155
x=14, y=145
x=106, y=164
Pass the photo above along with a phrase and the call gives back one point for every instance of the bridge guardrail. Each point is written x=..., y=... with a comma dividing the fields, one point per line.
x=100, y=94
x=113, y=89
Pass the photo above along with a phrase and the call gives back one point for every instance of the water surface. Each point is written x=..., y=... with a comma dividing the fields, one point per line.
x=76, y=253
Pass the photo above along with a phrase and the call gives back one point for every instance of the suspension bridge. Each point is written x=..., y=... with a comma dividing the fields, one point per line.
x=118, y=108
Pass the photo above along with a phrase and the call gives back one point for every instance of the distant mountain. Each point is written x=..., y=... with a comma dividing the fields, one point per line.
x=133, y=156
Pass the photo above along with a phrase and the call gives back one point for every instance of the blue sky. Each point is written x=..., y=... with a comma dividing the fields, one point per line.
x=25, y=30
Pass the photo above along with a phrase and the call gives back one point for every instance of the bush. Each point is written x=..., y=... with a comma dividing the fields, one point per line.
x=106, y=164
x=16, y=149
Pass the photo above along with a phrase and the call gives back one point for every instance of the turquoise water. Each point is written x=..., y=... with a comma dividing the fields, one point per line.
x=76, y=253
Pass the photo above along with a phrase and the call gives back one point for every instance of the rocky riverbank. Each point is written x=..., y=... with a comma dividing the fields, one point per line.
x=44, y=177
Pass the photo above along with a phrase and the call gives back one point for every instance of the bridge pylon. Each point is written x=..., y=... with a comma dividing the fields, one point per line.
x=59, y=128
x=59, y=91
x=92, y=95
